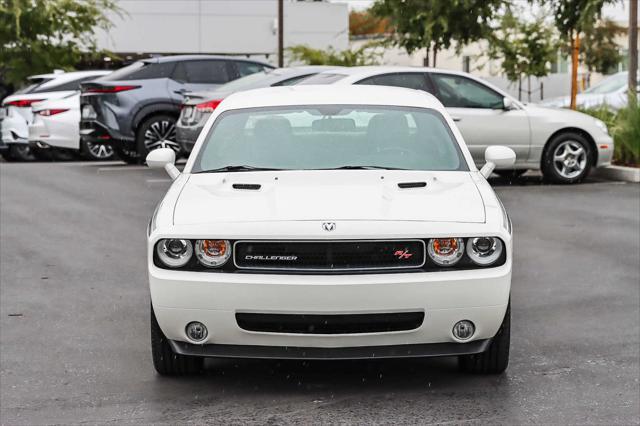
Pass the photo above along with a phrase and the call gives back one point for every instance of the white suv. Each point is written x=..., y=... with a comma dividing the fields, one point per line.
x=330, y=223
x=16, y=111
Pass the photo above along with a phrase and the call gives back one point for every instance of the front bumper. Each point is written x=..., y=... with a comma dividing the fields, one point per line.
x=445, y=297
x=604, y=146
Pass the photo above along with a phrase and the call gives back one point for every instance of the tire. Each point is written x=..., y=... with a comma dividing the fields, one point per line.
x=129, y=156
x=165, y=361
x=96, y=152
x=158, y=131
x=567, y=158
x=42, y=154
x=510, y=174
x=19, y=152
x=496, y=358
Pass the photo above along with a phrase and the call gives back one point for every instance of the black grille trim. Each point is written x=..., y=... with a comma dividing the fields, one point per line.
x=330, y=324
x=407, y=264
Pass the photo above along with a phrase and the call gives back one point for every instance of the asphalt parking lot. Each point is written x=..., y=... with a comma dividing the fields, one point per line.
x=74, y=339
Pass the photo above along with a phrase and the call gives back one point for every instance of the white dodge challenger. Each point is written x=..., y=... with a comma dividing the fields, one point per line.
x=326, y=222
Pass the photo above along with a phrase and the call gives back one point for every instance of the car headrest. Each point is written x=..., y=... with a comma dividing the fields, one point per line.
x=272, y=127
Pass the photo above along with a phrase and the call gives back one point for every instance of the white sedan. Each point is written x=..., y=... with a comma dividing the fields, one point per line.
x=564, y=144
x=330, y=223
x=56, y=127
x=17, y=113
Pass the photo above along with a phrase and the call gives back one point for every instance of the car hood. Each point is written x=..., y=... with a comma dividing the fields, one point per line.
x=329, y=195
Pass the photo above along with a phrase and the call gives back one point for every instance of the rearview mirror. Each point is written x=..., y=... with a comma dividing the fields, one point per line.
x=497, y=156
x=507, y=103
x=163, y=158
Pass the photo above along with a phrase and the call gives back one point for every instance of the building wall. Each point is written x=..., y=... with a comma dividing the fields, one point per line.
x=223, y=26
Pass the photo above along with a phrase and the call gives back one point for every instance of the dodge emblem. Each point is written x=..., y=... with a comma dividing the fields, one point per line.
x=329, y=226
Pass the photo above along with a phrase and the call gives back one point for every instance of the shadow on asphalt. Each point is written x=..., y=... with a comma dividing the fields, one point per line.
x=286, y=376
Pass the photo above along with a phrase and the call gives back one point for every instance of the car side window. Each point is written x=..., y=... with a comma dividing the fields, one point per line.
x=409, y=80
x=151, y=70
x=248, y=68
x=456, y=91
x=202, y=72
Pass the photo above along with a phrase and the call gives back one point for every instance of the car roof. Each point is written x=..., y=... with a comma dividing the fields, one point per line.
x=177, y=58
x=330, y=94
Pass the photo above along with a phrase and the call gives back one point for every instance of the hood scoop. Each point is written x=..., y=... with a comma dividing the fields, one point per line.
x=247, y=186
x=407, y=185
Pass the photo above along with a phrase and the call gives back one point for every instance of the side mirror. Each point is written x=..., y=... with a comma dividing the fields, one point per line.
x=497, y=156
x=163, y=158
x=507, y=104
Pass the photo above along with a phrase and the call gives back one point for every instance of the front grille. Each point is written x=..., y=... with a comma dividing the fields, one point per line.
x=329, y=255
x=330, y=324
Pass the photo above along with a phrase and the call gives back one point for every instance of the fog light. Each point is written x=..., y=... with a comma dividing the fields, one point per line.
x=464, y=329
x=196, y=331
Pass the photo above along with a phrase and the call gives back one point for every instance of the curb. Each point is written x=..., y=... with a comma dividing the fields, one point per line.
x=619, y=173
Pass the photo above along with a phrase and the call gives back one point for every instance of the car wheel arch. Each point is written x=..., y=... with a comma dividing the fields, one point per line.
x=154, y=109
x=582, y=132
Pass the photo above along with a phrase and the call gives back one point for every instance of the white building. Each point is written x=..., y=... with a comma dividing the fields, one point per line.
x=234, y=27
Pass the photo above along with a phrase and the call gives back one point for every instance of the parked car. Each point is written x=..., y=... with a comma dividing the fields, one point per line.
x=55, y=131
x=610, y=92
x=564, y=144
x=135, y=109
x=330, y=222
x=198, y=106
x=16, y=112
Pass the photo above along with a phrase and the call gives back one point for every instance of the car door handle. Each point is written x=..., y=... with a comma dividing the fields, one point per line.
x=456, y=118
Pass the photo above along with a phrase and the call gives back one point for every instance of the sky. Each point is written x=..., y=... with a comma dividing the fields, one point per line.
x=617, y=12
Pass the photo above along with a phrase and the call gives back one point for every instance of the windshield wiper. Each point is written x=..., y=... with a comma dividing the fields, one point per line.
x=363, y=168
x=243, y=168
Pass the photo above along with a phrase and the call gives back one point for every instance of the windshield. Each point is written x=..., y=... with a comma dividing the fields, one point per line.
x=329, y=137
x=610, y=84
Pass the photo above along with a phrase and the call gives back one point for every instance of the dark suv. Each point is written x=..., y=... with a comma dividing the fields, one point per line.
x=135, y=108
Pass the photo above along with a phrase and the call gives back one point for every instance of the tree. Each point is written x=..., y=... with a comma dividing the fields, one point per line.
x=37, y=36
x=437, y=24
x=599, y=49
x=365, y=23
x=633, y=54
x=573, y=17
x=365, y=55
x=525, y=47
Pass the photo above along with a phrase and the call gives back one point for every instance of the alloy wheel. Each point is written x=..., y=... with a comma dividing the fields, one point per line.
x=570, y=159
x=100, y=151
x=161, y=134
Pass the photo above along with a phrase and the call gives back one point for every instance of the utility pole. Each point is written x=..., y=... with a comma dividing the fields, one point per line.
x=633, y=51
x=280, y=33
x=575, y=50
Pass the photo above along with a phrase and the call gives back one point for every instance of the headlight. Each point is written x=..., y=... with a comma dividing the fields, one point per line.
x=174, y=253
x=484, y=250
x=601, y=125
x=213, y=253
x=445, y=251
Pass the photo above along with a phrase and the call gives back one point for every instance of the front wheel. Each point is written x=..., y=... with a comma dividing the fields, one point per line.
x=165, y=361
x=567, y=159
x=496, y=358
x=158, y=131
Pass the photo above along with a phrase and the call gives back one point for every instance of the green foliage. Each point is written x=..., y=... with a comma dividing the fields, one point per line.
x=624, y=126
x=576, y=15
x=525, y=47
x=365, y=55
x=437, y=24
x=599, y=49
x=37, y=36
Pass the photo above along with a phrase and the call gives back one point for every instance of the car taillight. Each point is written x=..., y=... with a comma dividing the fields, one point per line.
x=108, y=89
x=23, y=103
x=208, y=106
x=48, y=112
